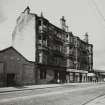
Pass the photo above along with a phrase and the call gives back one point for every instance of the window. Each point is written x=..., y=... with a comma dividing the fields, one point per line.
x=39, y=22
x=40, y=57
x=45, y=23
x=39, y=36
x=1, y=71
x=57, y=60
x=45, y=59
x=60, y=48
x=67, y=50
x=68, y=62
x=67, y=36
x=71, y=39
x=44, y=36
x=42, y=74
x=1, y=67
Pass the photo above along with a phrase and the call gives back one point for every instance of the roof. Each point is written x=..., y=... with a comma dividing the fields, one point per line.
x=11, y=47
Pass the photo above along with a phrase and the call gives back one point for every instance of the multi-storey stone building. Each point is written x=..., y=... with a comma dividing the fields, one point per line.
x=79, y=58
x=43, y=43
x=51, y=54
x=51, y=49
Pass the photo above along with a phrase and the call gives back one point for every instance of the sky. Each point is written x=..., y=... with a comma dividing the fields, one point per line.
x=81, y=17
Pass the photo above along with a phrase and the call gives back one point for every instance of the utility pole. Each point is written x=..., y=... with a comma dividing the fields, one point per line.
x=36, y=51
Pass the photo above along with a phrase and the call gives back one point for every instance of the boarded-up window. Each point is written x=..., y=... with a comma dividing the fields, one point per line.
x=28, y=74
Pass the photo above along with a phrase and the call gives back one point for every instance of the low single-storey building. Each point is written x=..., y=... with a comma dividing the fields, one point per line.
x=15, y=69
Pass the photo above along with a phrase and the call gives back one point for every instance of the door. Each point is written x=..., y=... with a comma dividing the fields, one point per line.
x=10, y=79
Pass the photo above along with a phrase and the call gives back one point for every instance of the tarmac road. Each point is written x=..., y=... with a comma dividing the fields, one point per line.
x=63, y=95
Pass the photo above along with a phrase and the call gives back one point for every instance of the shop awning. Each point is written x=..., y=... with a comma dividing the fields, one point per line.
x=77, y=71
x=90, y=74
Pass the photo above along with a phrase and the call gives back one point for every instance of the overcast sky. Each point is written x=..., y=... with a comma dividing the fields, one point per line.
x=81, y=16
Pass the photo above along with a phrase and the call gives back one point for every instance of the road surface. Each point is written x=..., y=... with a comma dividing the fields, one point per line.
x=64, y=95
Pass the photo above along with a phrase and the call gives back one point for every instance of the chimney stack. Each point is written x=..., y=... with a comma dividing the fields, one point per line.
x=86, y=37
x=27, y=10
x=63, y=23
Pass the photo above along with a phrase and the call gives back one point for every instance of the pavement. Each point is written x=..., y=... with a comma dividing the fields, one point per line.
x=98, y=101
x=31, y=87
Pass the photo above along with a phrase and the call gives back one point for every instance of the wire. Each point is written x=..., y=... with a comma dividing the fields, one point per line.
x=98, y=10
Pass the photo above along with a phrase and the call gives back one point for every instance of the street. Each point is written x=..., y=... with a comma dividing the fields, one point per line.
x=80, y=94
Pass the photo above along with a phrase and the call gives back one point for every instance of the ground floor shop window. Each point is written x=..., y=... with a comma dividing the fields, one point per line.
x=42, y=74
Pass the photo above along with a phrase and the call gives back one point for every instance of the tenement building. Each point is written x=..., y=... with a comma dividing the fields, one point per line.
x=44, y=53
x=43, y=43
x=79, y=57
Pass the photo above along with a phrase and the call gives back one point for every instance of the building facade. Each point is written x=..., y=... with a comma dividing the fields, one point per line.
x=79, y=58
x=57, y=55
x=51, y=50
x=43, y=43
x=15, y=69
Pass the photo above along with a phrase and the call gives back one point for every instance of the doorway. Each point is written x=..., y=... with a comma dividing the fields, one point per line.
x=10, y=79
